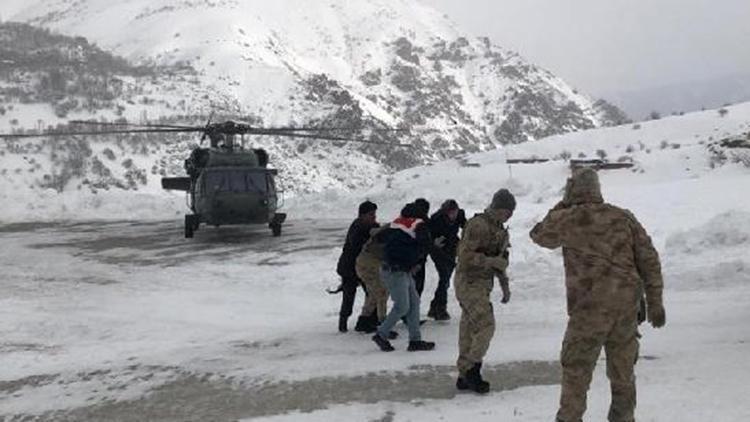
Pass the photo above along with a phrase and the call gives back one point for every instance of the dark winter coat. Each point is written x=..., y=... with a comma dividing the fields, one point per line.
x=441, y=226
x=356, y=237
x=407, y=243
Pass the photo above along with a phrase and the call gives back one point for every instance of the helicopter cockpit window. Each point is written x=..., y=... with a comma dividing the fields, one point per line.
x=256, y=182
x=236, y=181
x=217, y=182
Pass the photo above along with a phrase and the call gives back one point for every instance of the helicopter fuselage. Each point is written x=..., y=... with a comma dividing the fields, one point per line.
x=235, y=195
x=228, y=187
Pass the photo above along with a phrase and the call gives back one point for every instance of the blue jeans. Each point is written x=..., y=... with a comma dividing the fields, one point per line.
x=403, y=292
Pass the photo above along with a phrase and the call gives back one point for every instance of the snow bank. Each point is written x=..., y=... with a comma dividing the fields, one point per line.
x=730, y=229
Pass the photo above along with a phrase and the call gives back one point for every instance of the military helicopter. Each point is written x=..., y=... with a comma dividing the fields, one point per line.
x=226, y=183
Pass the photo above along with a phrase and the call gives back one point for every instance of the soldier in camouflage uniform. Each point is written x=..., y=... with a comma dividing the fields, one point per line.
x=482, y=256
x=368, y=266
x=608, y=256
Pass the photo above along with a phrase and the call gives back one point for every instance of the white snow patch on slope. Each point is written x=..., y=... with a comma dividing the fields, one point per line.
x=730, y=229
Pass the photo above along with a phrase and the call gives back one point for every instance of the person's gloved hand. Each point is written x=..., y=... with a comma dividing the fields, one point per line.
x=440, y=242
x=505, y=286
x=506, y=296
x=656, y=315
x=498, y=263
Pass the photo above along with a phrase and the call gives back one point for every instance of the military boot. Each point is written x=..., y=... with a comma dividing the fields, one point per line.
x=432, y=313
x=342, y=324
x=366, y=324
x=473, y=380
x=438, y=312
x=461, y=383
x=442, y=314
x=420, y=346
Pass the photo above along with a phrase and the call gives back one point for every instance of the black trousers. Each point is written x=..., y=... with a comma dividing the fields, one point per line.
x=419, y=277
x=445, y=272
x=349, y=294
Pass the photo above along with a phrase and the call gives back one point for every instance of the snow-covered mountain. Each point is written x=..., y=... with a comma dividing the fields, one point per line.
x=344, y=62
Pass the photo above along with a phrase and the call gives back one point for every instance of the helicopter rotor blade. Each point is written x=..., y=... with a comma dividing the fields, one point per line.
x=93, y=133
x=124, y=124
x=331, y=138
x=333, y=129
x=298, y=135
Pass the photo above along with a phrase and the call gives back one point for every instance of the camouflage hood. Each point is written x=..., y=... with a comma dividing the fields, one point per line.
x=583, y=188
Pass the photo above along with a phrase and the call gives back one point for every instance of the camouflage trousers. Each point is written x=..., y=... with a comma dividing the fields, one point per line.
x=586, y=334
x=477, y=325
x=376, y=299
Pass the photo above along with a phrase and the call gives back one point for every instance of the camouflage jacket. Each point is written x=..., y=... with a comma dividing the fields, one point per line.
x=372, y=252
x=608, y=255
x=482, y=239
x=356, y=237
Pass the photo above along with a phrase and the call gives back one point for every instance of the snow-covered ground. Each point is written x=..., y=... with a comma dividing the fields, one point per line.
x=125, y=320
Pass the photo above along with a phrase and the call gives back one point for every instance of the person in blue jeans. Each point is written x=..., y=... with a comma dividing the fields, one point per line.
x=407, y=242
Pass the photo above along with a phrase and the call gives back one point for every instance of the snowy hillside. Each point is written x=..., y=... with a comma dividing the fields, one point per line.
x=339, y=62
x=680, y=151
x=78, y=178
x=46, y=78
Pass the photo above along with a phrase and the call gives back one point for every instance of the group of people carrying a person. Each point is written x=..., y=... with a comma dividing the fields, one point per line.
x=389, y=261
x=611, y=269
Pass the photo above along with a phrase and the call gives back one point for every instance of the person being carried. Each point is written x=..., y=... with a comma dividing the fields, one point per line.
x=368, y=266
x=407, y=242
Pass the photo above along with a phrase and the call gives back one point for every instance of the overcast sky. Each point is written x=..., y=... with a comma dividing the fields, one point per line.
x=604, y=46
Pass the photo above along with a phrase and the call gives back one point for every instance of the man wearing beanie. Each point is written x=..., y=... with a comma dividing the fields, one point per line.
x=608, y=257
x=356, y=237
x=445, y=225
x=482, y=257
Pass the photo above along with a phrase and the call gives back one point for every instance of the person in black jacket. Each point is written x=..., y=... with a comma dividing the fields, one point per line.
x=356, y=237
x=444, y=227
x=407, y=242
x=422, y=207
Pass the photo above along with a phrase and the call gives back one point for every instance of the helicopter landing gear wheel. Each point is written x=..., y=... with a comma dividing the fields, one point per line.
x=191, y=225
x=276, y=222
